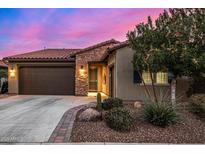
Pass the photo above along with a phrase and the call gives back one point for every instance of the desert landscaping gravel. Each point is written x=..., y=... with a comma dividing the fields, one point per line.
x=190, y=129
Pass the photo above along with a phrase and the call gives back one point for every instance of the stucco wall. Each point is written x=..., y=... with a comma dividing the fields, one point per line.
x=127, y=89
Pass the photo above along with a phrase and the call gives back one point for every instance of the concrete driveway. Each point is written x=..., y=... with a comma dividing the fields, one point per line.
x=31, y=119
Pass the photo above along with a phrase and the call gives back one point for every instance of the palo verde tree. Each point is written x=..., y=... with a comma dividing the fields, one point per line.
x=174, y=43
x=145, y=40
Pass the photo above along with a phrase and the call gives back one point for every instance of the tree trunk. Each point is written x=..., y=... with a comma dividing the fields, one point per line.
x=173, y=91
x=146, y=90
x=153, y=87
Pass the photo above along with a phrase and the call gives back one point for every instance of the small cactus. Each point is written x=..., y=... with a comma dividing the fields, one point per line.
x=99, y=101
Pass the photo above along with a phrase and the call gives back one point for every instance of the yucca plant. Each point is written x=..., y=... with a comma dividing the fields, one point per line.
x=160, y=114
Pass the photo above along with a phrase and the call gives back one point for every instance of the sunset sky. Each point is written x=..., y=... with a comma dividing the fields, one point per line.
x=24, y=30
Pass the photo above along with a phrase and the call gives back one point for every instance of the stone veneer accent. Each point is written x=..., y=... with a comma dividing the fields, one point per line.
x=82, y=59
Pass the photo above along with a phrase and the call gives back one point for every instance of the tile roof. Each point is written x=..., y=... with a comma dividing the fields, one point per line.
x=111, y=41
x=45, y=55
x=2, y=64
x=57, y=54
x=118, y=46
x=113, y=48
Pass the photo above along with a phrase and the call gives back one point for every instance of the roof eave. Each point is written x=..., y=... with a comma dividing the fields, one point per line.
x=110, y=50
x=40, y=60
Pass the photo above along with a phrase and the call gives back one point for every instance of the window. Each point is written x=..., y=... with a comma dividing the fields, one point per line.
x=159, y=78
x=136, y=77
x=162, y=78
x=146, y=77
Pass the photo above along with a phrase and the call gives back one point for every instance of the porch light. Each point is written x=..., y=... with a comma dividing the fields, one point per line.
x=12, y=73
x=82, y=70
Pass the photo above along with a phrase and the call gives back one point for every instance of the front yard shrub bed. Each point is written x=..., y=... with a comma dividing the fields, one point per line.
x=190, y=129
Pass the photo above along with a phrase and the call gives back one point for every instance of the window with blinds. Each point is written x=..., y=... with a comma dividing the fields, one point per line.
x=146, y=77
x=162, y=78
x=159, y=78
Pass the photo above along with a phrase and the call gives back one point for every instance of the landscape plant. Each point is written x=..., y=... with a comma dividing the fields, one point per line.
x=160, y=114
x=174, y=43
x=110, y=103
x=119, y=119
x=3, y=73
x=4, y=88
x=99, y=102
x=197, y=105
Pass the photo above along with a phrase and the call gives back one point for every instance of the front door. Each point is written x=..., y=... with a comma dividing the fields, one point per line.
x=93, y=80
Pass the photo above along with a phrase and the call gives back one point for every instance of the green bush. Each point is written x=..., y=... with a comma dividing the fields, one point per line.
x=160, y=114
x=111, y=103
x=4, y=88
x=197, y=104
x=119, y=119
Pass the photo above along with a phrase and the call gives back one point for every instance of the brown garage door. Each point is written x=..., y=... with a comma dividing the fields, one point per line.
x=47, y=80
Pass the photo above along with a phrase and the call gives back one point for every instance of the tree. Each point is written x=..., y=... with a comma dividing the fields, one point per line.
x=3, y=73
x=145, y=40
x=175, y=43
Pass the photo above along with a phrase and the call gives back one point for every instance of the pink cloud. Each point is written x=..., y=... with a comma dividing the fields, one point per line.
x=81, y=28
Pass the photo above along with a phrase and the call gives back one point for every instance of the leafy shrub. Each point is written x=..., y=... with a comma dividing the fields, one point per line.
x=111, y=103
x=197, y=104
x=4, y=88
x=99, y=102
x=160, y=114
x=119, y=119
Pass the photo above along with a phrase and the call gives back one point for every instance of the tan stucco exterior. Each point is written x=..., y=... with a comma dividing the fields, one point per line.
x=126, y=89
x=120, y=60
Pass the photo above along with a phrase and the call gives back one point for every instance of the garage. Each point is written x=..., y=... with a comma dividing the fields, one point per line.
x=47, y=80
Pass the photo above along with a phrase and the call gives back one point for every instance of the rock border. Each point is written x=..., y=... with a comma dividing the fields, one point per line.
x=63, y=130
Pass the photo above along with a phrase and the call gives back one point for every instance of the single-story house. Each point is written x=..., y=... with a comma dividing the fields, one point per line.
x=105, y=67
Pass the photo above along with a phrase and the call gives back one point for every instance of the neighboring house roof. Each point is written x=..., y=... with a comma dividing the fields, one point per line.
x=111, y=41
x=2, y=64
x=45, y=55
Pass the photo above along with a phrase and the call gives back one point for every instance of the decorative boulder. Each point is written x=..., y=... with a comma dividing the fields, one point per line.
x=89, y=114
x=137, y=104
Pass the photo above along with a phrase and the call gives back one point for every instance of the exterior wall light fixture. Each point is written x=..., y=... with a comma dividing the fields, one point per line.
x=12, y=72
x=82, y=71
